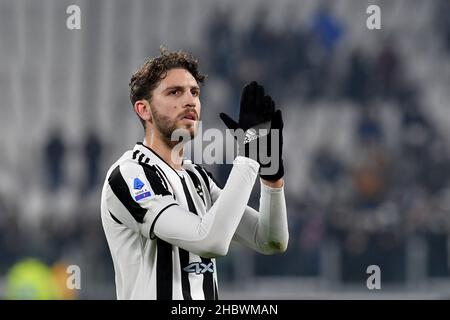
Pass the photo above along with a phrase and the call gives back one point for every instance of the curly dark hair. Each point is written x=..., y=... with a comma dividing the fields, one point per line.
x=149, y=75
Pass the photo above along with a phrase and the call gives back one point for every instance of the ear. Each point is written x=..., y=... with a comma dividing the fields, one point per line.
x=142, y=109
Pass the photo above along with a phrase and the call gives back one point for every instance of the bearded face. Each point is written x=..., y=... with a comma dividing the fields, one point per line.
x=175, y=105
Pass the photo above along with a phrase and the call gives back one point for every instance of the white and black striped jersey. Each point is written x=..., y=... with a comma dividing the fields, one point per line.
x=164, y=227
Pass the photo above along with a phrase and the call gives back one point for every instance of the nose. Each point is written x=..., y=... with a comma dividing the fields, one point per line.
x=190, y=100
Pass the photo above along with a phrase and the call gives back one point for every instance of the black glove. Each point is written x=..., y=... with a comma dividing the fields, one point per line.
x=257, y=111
x=256, y=108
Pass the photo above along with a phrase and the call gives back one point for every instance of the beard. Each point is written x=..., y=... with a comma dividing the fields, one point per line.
x=167, y=126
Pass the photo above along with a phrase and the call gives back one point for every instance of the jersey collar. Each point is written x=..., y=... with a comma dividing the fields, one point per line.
x=155, y=157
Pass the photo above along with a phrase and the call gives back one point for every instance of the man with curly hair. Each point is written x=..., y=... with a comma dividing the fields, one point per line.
x=164, y=217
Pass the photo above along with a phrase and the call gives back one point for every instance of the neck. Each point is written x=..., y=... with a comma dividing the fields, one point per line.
x=169, y=151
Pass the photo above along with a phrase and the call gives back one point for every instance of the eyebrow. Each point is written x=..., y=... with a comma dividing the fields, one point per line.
x=180, y=88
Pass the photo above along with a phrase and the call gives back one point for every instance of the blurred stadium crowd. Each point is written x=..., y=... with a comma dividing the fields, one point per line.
x=367, y=129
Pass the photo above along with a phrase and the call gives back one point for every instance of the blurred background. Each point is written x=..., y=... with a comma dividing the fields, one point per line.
x=367, y=137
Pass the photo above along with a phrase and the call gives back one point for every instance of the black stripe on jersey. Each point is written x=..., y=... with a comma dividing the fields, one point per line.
x=145, y=164
x=204, y=176
x=197, y=184
x=164, y=271
x=185, y=285
x=190, y=203
x=164, y=174
x=135, y=154
x=163, y=178
x=114, y=218
x=184, y=255
x=155, y=181
x=120, y=189
x=208, y=280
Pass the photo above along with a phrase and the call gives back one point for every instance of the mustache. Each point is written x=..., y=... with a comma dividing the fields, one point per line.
x=184, y=114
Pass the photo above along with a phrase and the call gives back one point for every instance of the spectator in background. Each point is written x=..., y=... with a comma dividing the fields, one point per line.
x=220, y=37
x=259, y=49
x=417, y=135
x=259, y=37
x=54, y=153
x=326, y=27
x=357, y=82
x=370, y=166
x=442, y=18
x=325, y=33
x=92, y=155
x=369, y=130
x=388, y=71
